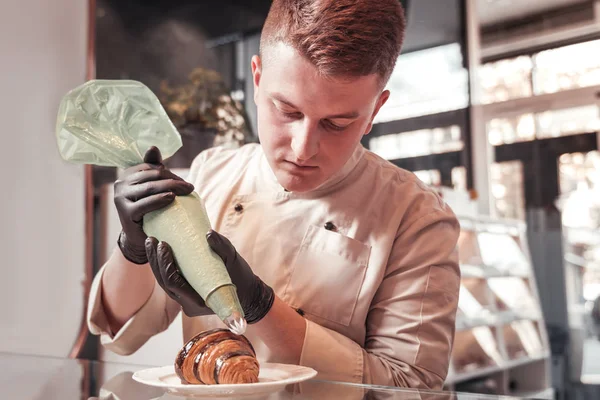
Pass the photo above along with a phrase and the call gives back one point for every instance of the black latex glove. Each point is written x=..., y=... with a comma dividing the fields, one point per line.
x=144, y=188
x=256, y=298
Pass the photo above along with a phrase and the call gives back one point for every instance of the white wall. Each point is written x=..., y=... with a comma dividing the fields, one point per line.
x=43, y=52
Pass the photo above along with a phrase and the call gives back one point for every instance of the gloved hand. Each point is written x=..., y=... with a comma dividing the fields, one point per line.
x=144, y=188
x=256, y=298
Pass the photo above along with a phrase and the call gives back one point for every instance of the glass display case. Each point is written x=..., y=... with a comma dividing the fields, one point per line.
x=499, y=324
x=28, y=377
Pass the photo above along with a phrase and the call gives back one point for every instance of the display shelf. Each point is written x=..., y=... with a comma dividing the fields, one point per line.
x=475, y=349
x=504, y=367
x=488, y=319
x=478, y=271
x=501, y=343
x=506, y=317
x=455, y=378
x=522, y=339
x=489, y=384
x=513, y=293
x=546, y=394
x=523, y=380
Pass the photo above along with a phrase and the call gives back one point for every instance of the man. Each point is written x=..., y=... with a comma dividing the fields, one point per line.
x=342, y=261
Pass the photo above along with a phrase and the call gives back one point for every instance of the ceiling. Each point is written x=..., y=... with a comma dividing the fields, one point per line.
x=216, y=17
x=496, y=11
x=428, y=27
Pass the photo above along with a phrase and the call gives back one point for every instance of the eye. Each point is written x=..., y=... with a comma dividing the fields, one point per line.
x=334, y=127
x=285, y=111
x=291, y=115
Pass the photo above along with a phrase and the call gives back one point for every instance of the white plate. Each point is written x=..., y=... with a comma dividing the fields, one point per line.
x=271, y=378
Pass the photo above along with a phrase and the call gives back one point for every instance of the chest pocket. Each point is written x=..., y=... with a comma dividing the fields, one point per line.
x=327, y=275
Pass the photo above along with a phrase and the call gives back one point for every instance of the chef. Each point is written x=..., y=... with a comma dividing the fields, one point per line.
x=342, y=261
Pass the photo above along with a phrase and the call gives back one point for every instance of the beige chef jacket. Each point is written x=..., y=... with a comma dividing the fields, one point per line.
x=369, y=258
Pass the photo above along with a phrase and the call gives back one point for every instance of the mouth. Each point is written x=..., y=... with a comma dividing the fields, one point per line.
x=300, y=166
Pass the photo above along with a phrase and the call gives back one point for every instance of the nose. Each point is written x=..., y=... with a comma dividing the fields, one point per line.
x=305, y=141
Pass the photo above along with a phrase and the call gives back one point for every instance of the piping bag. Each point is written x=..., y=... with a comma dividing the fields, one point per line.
x=113, y=123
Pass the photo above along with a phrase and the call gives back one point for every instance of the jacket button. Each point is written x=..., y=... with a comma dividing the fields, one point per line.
x=329, y=226
x=238, y=208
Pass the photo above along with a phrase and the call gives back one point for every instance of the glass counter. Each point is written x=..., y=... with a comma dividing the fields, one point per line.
x=27, y=377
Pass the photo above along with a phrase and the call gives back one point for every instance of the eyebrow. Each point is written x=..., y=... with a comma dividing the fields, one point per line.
x=350, y=115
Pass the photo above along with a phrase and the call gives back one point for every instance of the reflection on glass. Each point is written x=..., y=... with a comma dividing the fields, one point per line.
x=507, y=189
x=569, y=121
x=475, y=349
x=511, y=130
x=417, y=143
x=474, y=265
x=431, y=177
x=487, y=340
x=515, y=295
x=567, y=67
x=468, y=304
x=506, y=79
x=475, y=303
x=426, y=82
x=468, y=248
x=503, y=253
x=522, y=339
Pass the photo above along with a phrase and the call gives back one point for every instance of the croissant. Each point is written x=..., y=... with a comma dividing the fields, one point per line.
x=217, y=357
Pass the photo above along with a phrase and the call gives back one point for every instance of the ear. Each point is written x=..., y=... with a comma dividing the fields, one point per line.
x=385, y=95
x=256, y=64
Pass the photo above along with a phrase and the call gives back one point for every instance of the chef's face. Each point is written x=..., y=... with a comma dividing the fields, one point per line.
x=308, y=124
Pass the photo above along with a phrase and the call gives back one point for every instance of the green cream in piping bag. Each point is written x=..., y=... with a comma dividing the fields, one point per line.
x=113, y=123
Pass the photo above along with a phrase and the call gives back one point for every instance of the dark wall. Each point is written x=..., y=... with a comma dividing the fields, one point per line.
x=152, y=40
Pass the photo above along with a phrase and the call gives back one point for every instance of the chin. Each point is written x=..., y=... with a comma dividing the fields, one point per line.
x=297, y=184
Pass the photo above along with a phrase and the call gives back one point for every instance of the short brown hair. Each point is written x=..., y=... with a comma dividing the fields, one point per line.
x=341, y=38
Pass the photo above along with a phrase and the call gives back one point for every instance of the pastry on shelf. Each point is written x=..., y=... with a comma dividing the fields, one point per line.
x=217, y=357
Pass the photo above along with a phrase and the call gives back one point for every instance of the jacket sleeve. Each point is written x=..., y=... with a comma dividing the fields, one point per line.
x=410, y=326
x=153, y=317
